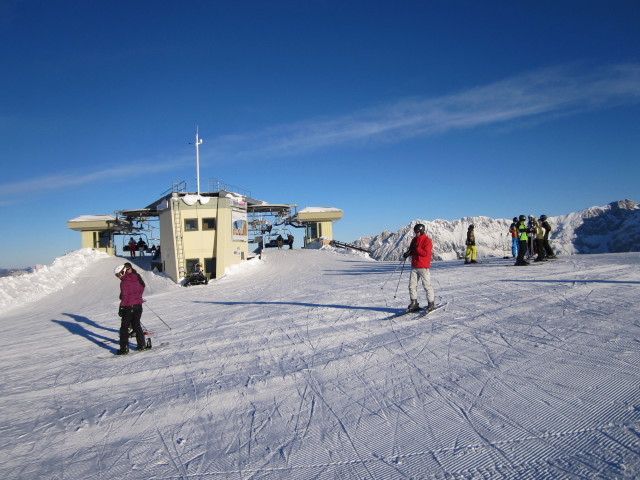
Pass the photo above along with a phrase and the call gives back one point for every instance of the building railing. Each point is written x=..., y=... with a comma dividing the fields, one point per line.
x=211, y=185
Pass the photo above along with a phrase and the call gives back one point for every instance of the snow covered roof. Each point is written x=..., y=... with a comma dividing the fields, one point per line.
x=93, y=218
x=319, y=214
x=271, y=207
x=320, y=210
x=95, y=223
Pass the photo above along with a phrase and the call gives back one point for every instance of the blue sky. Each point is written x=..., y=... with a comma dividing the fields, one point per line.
x=391, y=111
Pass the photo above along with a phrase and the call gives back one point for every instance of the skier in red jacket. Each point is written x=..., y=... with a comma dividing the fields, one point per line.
x=131, y=288
x=420, y=253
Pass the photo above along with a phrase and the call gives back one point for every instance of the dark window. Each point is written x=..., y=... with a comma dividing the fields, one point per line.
x=105, y=240
x=190, y=224
x=208, y=224
x=191, y=263
x=312, y=230
x=210, y=267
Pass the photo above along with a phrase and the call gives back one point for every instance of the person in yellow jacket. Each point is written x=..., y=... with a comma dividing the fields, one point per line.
x=539, y=239
x=470, y=254
x=523, y=238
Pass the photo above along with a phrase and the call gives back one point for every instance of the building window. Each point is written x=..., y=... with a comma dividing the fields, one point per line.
x=191, y=224
x=210, y=267
x=208, y=224
x=312, y=230
x=191, y=265
x=104, y=240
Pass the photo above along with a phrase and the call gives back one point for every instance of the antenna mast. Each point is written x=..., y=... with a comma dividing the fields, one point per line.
x=198, y=142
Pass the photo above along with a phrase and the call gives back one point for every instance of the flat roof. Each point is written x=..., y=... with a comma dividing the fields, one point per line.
x=271, y=207
x=93, y=218
x=139, y=212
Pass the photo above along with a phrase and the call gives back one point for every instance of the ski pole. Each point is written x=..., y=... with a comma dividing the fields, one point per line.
x=397, y=286
x=389, y=277
x=157, y=315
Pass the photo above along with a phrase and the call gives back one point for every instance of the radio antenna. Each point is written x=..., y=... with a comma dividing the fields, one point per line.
x=198, y=143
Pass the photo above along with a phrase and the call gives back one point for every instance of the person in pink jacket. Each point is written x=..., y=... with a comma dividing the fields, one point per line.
x=130, y=311
x=420, y=253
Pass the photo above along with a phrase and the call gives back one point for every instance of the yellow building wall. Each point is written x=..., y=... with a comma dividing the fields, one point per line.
x=168, y=254
x=86, y=239
x=326, y=229
x=223, y=240
x=323, y=229
x=200, y=245
x=229, y=251
x=90, y=239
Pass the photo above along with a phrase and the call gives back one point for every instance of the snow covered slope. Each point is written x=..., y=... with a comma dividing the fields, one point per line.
x=611, y=229
x=289, y=367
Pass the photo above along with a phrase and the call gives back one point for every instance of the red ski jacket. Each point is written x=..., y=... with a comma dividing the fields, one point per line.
x=421, y=251
x=130, y=290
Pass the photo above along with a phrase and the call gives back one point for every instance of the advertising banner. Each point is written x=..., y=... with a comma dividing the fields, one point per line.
x=239, y=225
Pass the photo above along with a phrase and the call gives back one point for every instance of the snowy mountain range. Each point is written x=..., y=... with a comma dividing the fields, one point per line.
x=613, y=228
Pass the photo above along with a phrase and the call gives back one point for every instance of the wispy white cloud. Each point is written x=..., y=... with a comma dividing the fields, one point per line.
x=530, y=97
x=65, y=180
x=539, y=96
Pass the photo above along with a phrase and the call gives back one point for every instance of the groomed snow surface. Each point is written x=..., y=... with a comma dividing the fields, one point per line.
x=289, y=368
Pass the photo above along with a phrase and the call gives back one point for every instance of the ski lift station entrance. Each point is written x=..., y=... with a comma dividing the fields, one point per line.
x=216, y=229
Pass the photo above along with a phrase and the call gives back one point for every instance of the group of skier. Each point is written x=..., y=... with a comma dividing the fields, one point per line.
x=531, y=238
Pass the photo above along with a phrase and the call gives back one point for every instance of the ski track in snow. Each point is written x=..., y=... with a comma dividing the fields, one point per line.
x=290, y=367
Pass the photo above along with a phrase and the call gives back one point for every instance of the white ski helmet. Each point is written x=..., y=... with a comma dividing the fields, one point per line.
x=119, y=270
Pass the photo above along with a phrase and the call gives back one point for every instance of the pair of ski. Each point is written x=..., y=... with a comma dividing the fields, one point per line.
x=422, y=312
x=136, y=352
x=148, y=344
x=132, y=334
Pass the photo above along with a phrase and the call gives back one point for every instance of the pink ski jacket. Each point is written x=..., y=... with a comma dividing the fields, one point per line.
x=130, y=290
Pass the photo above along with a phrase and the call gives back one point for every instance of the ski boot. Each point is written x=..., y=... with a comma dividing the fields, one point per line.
x=431, y=306
x=122, y=351
x=413, y=306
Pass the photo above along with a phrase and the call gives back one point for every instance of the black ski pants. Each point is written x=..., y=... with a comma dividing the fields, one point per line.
x=131, y=318
x=542, y=254
x=522, y=251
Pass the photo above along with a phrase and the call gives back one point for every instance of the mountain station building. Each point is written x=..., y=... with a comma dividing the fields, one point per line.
x=210, y=230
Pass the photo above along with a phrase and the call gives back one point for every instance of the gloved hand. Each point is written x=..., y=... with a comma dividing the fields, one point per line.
x=406, y=254
x=120, y=312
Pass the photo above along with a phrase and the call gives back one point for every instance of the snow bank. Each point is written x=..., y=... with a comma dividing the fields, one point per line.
x=346, y=251
x=241, y=268
x=20, y=289
x=319, y=245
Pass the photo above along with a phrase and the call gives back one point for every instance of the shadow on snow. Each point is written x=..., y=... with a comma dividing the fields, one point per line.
x=308, y=305
x=82, y=331
x=630, y=282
